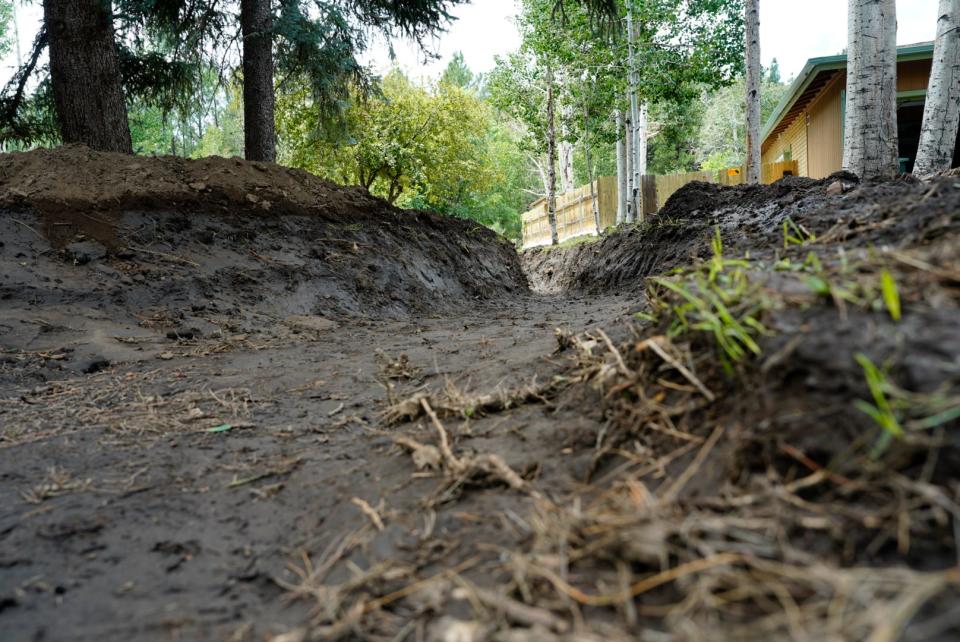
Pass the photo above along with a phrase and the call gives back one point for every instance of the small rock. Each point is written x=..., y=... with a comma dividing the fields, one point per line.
x=253, y=198
x=449, y=629
x=199, y=186
x=187, y=334
x=82, y=252
x=835, y=188
x=96, y=365
x=315, y=323
x=296, y=635
x=107, y=271
x=166, y=356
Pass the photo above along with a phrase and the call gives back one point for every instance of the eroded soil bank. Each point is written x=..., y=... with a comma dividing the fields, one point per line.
x=272, y=443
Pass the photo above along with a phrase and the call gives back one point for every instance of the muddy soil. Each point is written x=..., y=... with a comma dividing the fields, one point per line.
x=120, y=263
x=245, y=439
x=751, y=217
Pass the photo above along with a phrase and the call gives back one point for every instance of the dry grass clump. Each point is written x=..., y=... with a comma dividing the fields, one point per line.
x=122, y=404
x=452, y=401
x=459, y=470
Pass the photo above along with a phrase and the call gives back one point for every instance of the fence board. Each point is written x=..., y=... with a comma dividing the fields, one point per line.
x=648, y=187
x=574, y=213
x=775, y=171
x=575, y=208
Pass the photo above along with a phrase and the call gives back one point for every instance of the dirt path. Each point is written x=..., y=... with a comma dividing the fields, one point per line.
x=327, y=419
x=125, y=518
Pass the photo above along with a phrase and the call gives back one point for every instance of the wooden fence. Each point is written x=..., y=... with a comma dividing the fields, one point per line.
x=574, y=213
x=575, y=209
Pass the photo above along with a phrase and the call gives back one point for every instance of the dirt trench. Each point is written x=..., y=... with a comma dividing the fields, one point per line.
x=218, y=423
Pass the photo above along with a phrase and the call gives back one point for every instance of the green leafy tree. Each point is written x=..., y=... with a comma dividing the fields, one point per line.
x=408, y=142
x=676, y=125
x=6, y=23
x=722, y=137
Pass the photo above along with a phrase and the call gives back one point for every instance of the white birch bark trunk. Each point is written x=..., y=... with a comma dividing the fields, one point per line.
x=630, y=158
x=752, y=53
x=642, y=130
x=588, y=157
x=621, y=170
x=566, y=167
x=634, y=122
x=542, y=172
x=551, y=162
x=870, y=141
x=941, y=113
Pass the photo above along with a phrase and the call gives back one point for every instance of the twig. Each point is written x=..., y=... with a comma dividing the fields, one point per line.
x=449, y=459
x=169, y=257
x=516, y=611
x=672, y=492
x=616, y=353
x=369, y=511
x=838, y=479
x=643, y=586
x=654, y=345
x=39, y=235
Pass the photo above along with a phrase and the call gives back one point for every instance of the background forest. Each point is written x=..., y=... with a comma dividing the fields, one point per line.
x=462, y=144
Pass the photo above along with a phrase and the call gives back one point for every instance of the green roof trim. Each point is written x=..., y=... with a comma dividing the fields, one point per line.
x=814, y=66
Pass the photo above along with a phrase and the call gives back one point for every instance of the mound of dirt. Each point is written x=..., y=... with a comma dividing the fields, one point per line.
x=77, y=178
x=100, y=246
x=751, y=218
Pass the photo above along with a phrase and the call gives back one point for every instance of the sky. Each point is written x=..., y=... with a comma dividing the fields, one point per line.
x=791, y=32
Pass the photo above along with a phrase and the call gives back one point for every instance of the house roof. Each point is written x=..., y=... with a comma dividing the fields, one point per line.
x=815, y=76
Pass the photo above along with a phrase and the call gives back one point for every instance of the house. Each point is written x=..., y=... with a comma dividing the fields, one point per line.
x=807, y=125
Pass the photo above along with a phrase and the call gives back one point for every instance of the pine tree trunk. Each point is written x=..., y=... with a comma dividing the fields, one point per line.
x=941, y=113
x=621, y=170
x=752, y=53
x=551, y=162
x=259, y=134
x=870, y=141
x=85, y=75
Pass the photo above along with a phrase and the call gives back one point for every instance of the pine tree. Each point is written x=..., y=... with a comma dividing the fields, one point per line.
x=457, y=73
x=773, y=74
x=256, y=27
x=85, y=74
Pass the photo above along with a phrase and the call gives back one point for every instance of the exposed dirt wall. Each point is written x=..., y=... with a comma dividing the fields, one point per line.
x=116, y=245
x=750, y=218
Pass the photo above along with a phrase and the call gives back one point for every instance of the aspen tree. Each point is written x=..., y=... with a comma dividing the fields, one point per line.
x=941, y=113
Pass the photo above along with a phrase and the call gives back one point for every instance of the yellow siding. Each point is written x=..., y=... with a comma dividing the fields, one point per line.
x=824, y=135
x=820, y=126
x=773, y=149
x=913, y=75
x=794, y=139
